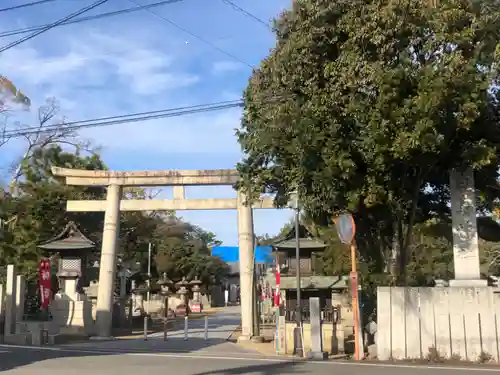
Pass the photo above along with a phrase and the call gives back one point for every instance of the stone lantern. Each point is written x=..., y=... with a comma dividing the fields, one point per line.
x=183, y=291
x=138, y=299
x=165, y=285
x=72, y=247
x=195, y=288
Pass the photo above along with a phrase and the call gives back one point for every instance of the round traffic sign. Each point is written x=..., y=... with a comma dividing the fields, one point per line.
x=346, y=228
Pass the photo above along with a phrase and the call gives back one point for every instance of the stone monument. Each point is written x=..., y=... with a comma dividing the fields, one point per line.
x=316, y=339
x=464, y=224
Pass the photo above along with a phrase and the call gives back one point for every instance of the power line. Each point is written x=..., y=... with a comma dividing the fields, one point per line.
x=88, y=18
x=131, y=115
x=194, y=35
x=39, y=2
x=136, y=117
x=247, y=13
x=143, y=116
x=52, y=25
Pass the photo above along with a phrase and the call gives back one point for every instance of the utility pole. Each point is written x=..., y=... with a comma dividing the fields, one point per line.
x=149, y=273
x=255, y=297
x=298, y=313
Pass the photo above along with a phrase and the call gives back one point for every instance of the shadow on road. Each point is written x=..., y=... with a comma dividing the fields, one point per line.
x=13, y=356
x=220, y=328
x=288, y=367
x=20, y=358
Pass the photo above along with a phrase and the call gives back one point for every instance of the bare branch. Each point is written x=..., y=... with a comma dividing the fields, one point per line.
x=42, y=137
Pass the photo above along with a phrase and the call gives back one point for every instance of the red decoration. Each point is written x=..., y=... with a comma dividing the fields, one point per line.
x=277, y=294
x=195, y=307
x=44, y=282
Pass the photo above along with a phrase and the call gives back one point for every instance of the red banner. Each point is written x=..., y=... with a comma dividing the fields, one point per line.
x=277, y=294
x=44, y=282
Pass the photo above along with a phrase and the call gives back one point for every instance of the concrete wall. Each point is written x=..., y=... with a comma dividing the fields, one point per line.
x=331, y=342
x=459, y=322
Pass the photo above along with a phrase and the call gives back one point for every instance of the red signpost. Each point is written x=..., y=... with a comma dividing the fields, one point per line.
x=346, y=229
x=44, y=282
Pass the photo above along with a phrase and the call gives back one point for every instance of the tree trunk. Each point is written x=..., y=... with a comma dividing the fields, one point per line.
x=395, y=251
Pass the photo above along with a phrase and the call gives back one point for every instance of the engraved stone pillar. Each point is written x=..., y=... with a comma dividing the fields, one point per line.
x=464, y=224
x=10, y=301
x=20, y=293
x=246, y=252
x=316, y=334
x=107, y=264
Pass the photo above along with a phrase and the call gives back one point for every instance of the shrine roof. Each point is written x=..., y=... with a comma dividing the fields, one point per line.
x=71, y=238
x=306, y=240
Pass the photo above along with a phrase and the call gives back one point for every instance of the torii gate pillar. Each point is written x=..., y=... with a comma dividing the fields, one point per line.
x=107, y=265
x=246, y=246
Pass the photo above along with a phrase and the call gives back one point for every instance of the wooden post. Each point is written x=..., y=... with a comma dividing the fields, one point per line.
x=346, y=229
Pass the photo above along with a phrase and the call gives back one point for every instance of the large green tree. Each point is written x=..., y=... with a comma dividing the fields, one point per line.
x=38, y=212
x=183, y=250
x=366, y=105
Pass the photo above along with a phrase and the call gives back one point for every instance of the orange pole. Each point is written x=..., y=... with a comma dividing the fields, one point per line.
x=354, y=267
x=354, y=285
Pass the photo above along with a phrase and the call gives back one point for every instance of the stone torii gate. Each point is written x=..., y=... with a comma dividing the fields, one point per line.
x=178, y=179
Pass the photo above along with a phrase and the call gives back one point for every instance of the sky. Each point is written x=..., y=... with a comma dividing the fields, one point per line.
x=189, y=52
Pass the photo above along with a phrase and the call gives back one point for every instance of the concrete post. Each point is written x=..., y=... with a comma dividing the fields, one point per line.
x=2, y=302
x=20, y=293
x=246, y=252
x=464, y=224
x=206, y=327
x=10, y=301
x=107, y=264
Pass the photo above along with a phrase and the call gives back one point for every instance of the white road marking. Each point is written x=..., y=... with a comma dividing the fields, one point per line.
x=252, y=359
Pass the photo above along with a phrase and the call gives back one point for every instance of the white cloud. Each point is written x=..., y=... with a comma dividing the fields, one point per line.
x=93, y=60
x=223, y=67
x=204, y=133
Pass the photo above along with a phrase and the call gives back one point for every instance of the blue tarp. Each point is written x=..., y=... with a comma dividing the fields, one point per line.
x=231, y=253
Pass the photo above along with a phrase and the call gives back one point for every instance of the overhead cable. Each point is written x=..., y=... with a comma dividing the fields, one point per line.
x=88, y=18
x=52, y=25
x=135, y=117
x=247, y=13
x=201, y=39
x=39, y=2
x=106, y=121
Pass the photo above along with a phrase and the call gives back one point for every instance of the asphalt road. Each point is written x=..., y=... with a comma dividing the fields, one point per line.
x=24, y=361
x=195, y=356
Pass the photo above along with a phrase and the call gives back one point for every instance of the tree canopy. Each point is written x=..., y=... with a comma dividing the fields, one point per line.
x=366, y=105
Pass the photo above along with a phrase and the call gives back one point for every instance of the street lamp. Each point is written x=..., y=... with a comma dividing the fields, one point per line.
x=255, y=297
